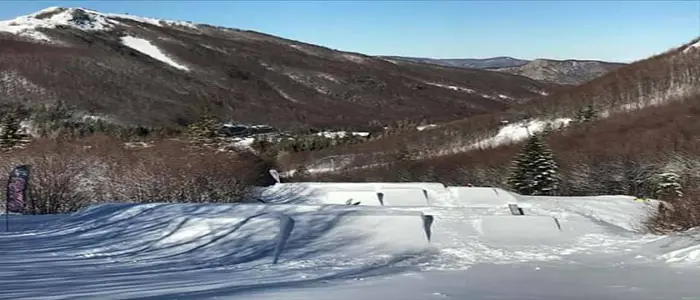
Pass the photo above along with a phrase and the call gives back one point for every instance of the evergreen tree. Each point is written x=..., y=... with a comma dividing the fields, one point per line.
x=668, y=186
x=205, y=130
x=265, y=148
x=534, y=170
x=586, y=114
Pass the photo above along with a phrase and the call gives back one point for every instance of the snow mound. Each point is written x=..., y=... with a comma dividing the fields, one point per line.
x=351, y=197
x=194, y=243
x=202, y=251
x=317, y=192
x=688, y=255
x=519, y=228
x=475, y=225
x=680, y=249
x=404, y=197
x=146, y=47
x=482, y=196
x=235, y=233
x=621, y=212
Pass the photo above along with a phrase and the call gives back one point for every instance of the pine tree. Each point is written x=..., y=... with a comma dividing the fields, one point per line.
x=668, y=186
x=205, y=130
x=586, y=114
x=534, y=170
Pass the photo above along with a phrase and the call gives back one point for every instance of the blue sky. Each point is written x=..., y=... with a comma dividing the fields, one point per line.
x=605, y=30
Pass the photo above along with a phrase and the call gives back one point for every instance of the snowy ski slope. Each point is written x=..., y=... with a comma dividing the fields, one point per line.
x=306, y=243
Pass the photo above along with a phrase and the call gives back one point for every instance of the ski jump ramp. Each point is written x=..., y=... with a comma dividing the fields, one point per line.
x=368, y=197
x=388, y=194
x=395, y=196
x=242, y=233
x=482, y=196
x=347, y=193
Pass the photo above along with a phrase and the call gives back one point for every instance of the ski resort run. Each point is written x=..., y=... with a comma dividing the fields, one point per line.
x=379, y=240
x=146, y=47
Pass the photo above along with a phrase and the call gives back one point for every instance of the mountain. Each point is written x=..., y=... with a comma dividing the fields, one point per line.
x=645, y=109
x=136, y=70
x=475, y=63
x=565, y=72
x=562, y=72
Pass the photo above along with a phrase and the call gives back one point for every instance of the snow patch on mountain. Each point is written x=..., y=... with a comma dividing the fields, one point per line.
x=84, y=19
x=691, y=47
x=286, y=96
x=305, y=50
x=513, y=133
x=329, y=77
x=425, y=127
x=353, y=58
x=505, y=97
x=452, y=87
x=152, y=21
x=543, y=93
x=341, y=134
x=146, y=47
x=307, y=81
x=470, y=91
x=50, y=18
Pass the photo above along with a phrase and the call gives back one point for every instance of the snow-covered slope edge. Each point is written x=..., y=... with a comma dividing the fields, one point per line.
x=219, y=250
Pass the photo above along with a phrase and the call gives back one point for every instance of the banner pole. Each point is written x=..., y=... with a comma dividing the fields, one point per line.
x=7, y=215
x=7, y=206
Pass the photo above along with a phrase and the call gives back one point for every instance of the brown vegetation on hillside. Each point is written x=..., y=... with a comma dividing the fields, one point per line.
x=658, y=80
x=616, y=155
x=242, y=76
x=626, y=153
x=70, y=174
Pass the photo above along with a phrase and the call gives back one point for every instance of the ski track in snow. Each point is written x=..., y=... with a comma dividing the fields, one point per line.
x=225, y=251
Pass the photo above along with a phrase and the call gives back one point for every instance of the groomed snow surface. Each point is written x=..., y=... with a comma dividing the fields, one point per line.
x=400, y=241
x=146, y=47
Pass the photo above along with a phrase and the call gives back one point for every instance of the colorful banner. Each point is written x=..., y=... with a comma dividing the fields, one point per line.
x=16, y=195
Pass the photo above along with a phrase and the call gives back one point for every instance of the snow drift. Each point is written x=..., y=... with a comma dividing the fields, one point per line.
x=297, y=241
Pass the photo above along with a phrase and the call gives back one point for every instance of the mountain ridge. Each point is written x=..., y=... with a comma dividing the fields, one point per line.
x=477, y=63
x=659, y=80
x=164, y=73
x=557, y=71
x=565, y=72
